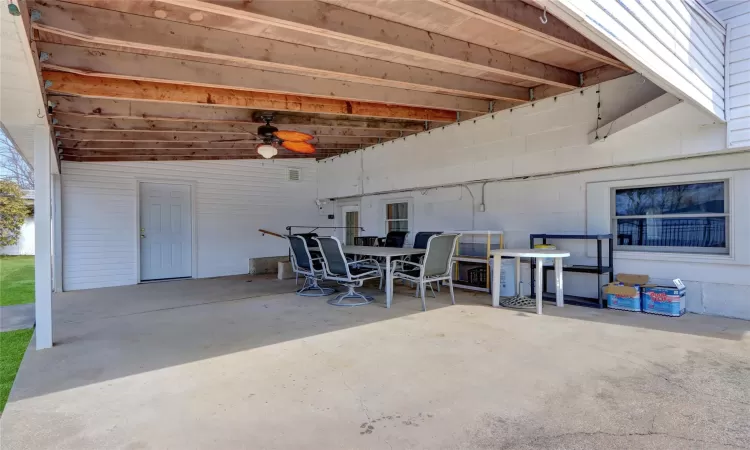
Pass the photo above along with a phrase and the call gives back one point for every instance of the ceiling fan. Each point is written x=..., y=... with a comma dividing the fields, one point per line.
x=295, y=141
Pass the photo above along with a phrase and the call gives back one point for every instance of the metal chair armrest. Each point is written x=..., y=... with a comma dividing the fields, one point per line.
x=360, y=261
x=403, y=263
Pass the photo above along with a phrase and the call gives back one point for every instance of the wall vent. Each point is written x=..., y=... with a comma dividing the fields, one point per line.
x=294, y=175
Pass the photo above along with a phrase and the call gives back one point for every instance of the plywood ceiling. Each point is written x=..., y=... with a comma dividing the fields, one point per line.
x=189, y=79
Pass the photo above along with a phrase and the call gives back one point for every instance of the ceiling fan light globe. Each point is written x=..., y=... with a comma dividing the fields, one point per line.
x=267, y=151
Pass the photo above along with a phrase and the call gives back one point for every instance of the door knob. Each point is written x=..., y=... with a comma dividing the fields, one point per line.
x=143, y=236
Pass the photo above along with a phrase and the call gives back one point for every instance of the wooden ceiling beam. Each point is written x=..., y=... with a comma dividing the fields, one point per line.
x=330, y=27
x=132, y=66
x=519, y=16
x=193, y=152
x=113, y=30
x=210, y=116
x=113, y=88
x=147, y=145
x=100, y=159
x=74, y=123
x=136, y=136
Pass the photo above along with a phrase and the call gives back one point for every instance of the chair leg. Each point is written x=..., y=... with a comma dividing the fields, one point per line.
x=422, y=289
x=310, y=288
x=433, y=290
x=450, y=286
x=359, y=299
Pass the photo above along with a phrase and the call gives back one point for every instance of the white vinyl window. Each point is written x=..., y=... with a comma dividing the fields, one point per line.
x=397, y=216
x=679, y=218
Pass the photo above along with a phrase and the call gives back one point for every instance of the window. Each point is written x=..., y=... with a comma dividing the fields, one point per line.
x=689, y=218
x=397, y=216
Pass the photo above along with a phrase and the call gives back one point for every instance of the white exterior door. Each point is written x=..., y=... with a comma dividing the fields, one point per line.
x=350, y=222
x=166, y=235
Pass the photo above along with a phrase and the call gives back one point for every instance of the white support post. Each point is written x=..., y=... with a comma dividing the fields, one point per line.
x=43, y=236
x=57, y=233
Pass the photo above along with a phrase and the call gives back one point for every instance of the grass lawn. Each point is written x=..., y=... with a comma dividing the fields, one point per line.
x=13, y=345
x=16, y=280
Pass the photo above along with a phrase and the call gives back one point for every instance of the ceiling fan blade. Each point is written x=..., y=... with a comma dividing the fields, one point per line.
x=299, y=147
x=296, y=136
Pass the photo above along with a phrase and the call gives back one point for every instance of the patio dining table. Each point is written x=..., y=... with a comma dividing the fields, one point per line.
x=382, y=252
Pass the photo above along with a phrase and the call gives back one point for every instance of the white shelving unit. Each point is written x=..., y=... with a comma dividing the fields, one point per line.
x=472, y=271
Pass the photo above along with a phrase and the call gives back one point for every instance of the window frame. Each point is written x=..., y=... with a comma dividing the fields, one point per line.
x=409, y=213
x=718, y=251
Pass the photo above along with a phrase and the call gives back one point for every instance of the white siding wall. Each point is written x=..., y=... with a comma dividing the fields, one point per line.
x=737, y=15
x=676, y=43
x=549, y=140
x=233, y=199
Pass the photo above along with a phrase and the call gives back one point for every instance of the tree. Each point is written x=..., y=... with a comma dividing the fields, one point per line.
x=13, y=212
x=12, y=165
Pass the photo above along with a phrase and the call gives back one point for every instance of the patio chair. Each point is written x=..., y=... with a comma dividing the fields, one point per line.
x=308, y=237
x=347, y=273
x=393, y=239
x=311, y=268
x=420, y=241
x=436, y=266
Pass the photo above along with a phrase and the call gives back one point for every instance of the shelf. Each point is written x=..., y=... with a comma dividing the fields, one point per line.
x=602, y=267
x=581, y=269
x=575, y=300
x=472, y=259
x=571, y=236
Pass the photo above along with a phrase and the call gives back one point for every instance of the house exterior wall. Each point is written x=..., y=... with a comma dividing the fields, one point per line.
x=232, y=199
x=541, y=175
x=737, y=16
x=676, y=43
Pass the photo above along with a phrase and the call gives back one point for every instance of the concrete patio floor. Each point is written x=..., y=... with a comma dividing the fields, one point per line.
x=231, y=364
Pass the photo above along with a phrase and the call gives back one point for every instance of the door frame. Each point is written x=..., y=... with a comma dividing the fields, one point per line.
x=193, y=223
x=343, y=209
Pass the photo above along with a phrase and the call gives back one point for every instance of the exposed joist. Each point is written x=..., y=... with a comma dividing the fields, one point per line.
x=148, y=145
x=333, y=28
x=519, y=16
x=68, y=122
x=210, y=116
x=75, y=84
x=131, y=66
x=590, y=78
x=110, y=29
x=194, y=152
x=100, y=159
x=163, y=136
x=160, y=136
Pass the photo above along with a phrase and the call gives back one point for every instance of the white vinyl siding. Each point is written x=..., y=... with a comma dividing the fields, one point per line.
x=676, y=43
x=233, y=199
x=738, y=73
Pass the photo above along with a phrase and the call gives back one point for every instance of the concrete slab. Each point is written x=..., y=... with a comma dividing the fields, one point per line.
x=194, y=364
x=17, y=317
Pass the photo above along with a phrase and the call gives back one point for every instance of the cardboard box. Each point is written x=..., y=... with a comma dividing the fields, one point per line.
x=625, y=293
x=664, y=300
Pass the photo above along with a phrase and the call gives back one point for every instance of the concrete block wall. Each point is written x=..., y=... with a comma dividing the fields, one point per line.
x=549, y=179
